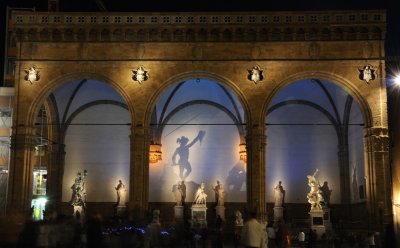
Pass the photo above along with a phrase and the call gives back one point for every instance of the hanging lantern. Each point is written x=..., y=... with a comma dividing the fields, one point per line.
x=243, y=152
x=155, y=153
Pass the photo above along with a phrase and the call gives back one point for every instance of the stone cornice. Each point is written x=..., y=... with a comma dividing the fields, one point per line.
x=198, y=27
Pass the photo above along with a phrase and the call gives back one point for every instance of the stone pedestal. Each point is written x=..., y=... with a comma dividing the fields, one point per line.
x=317, y=221
x=278, y=214
x=179, y=212
x=199, y=215
x=327, y=218
x=79, y=210
x=120, y=211
x=220, y=210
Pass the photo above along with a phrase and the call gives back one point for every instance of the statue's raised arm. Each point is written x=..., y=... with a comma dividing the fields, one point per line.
x=199, y=137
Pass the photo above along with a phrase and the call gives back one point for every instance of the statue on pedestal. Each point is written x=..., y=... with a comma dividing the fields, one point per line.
x=238, y=218
x=78, y=199
x=315, y=197
x=219, y=194
x=121, y=194
x=200, y=196
x=279, y=195
x=180, y=192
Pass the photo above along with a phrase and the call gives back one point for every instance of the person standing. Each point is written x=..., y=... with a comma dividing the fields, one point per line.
x=252, y=233
x=301, y=238
x=271, y=233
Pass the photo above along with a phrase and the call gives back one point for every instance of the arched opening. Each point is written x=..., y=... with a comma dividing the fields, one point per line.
x=197, y=133
x=86, y=124
x=315, y=124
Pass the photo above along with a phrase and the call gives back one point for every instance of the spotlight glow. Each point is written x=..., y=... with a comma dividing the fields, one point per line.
x=397, y=80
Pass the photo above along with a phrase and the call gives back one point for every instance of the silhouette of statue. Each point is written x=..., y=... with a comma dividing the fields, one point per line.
x=326, y=193
x=183, y=151
x=236, y=177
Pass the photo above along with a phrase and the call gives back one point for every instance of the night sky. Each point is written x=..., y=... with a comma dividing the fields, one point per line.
x=393, y=13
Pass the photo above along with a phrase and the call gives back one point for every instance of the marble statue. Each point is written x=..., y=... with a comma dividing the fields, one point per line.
x=78, y=199
x=156, y=216
x=200, y=196
x=279, y=195
x=178, y=194
x=315, y=197
x=219, y=194
x=182, y=187
x=121, y=194
x=238, y=218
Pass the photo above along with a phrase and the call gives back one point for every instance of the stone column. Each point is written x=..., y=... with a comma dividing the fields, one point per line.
x=20, y=181
x=377, y=171
x=255, y=142
x=139, y=173
x=344, y=170
x=55, y=171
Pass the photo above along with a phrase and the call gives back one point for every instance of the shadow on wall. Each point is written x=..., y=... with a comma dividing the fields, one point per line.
x=236, y=180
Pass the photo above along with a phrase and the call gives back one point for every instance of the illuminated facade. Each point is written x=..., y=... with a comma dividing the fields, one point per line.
x=68, y=63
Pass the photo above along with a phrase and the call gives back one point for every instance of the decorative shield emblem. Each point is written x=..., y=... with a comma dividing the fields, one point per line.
x=140, y=74
x=32, y=74
x=367, y=74
x=255, y=74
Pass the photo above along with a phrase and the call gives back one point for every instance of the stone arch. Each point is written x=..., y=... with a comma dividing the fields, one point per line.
x=340, y=131
x=53, y=84
x=342, y=82
x=196, y=74
x=175, y=83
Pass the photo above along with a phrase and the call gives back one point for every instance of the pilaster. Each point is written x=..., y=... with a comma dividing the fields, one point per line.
x=377, y=173
x=139, y=177
x=55, y=171
x=256, y=170
x=20, y=183
x=343, y=156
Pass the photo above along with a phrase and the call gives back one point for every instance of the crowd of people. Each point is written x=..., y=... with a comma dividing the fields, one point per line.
x=94, y=231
